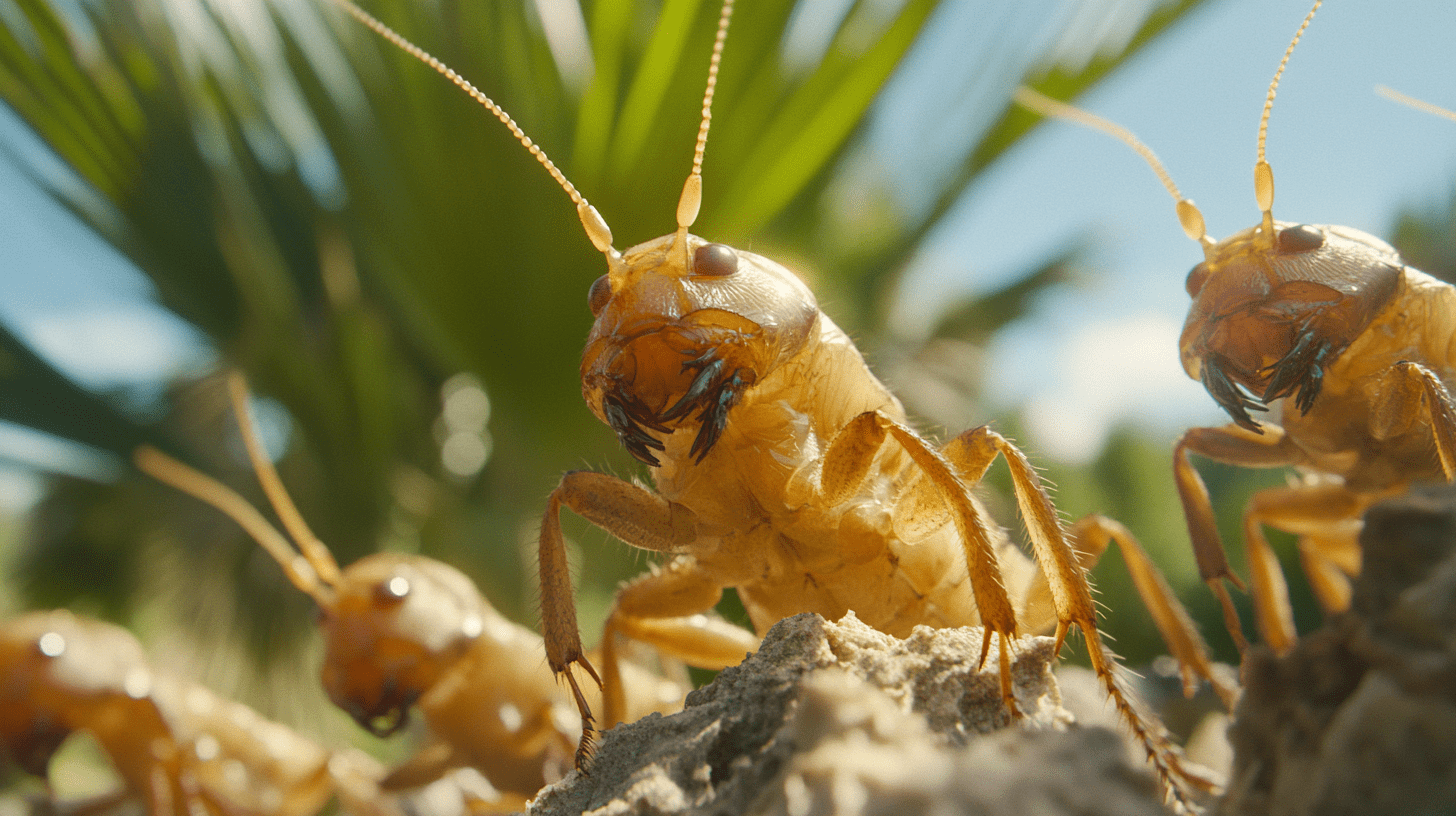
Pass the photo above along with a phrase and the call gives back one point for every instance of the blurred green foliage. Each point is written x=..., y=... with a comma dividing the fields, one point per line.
x=351, y=231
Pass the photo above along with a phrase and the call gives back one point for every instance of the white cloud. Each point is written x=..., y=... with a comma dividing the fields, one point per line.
x=122, y=345
x=1113, y=371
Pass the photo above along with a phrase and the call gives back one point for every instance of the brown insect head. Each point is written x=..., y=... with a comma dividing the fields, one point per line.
x=680, y=335
x=1264, y=324
x=59, y=671
x=397, y=625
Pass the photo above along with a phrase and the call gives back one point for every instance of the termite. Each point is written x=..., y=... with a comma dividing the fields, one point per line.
x=404, y=631
x=1418, y=104
x=785, y=469
x=1351, y=346
x=178, y=747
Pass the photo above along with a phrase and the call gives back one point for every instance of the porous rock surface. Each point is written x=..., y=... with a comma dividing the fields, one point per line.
x=840, y=719
x=1360, y=717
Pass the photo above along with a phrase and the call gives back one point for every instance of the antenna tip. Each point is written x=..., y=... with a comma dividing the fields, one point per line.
x=596, y=228
x=1192, y=220
x=144, y=456
x=691, y=201
x=1264, y=186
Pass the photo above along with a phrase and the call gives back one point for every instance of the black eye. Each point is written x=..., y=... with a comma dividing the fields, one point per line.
x=392, y=590
x=1303, y=238
x=1196, y=277
x=715, y=260
x=599, y=294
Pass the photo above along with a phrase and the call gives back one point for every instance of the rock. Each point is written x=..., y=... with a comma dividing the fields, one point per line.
x=857, y=752
x=839, y=718
x=1360, y=717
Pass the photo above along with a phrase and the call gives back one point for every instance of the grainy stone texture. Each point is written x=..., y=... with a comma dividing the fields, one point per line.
x=840, y=719
x=1360, y=717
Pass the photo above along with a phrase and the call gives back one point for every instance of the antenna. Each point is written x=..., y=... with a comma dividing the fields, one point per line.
x=1263, y=173
x=314, y=550
x=691, y=199
x=1419, y=104
x=596, y=227
x=1188, y=213
x=210, y=491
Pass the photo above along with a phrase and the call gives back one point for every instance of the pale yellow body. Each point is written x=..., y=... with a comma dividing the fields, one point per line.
x=179, y=748
x=1377, y=415
x=405, y=631
x=761, y=529
x=786, y=470
x=1352, y=352
x=1348, y=431
x=479, y=680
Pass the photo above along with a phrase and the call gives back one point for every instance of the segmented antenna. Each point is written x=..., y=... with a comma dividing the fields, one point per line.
x=312, y=548
x=1263, y=173
x=691, y=199
x=1419, y=104
x=1188, y=213
x=210, y=491
x=591, y=220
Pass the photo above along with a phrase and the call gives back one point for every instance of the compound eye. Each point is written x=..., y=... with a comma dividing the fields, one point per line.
x=392, y=590
x=599, y=295
x=1303, y=238
x=715, y=261
x=1196, y=278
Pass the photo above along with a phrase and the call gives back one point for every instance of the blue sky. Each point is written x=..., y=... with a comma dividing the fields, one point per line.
x=1102, y=352
x=1107, y=349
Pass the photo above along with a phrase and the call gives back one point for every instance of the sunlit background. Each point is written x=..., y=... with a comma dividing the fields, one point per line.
x=407, y=290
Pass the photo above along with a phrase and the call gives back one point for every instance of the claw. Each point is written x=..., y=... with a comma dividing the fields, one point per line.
x=1301, y=368
x=585, y=747
x=1229, y=397
x=1311, y=388
x=707, y=373
x=627, y=423
x=715, y=416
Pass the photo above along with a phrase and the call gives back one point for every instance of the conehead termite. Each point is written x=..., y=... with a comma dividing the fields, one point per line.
x=405, y=632
x=1353, y=347
x=786, y=470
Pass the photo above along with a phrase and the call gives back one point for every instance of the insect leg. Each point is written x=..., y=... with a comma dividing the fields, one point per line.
x=973, y=451
x=1233, y=445
x=629, y=512
x=1091, y=535
x=1331, y=562
x=171, y=788
x=664, y=609
x=1404, y=386
x=355, y=777
x=848, y=459
x=159, y=793
x=423, y=767
x=1325, y=512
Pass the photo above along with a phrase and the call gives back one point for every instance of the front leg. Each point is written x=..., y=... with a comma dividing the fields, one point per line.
x=846, y=462
x=629, y=512
x=1179, y=632
x=1233, y=445
x=666, y=610
x=1326, y=518
x=973, y=452
x=1409, y=391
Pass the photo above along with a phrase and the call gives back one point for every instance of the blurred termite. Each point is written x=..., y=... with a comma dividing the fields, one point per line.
x=404, y=631
x=786, y=470
x=1352, y=346
x=1418, y=104
x=177, y=747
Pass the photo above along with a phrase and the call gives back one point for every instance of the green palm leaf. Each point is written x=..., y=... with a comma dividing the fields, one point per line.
x=351, y=230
